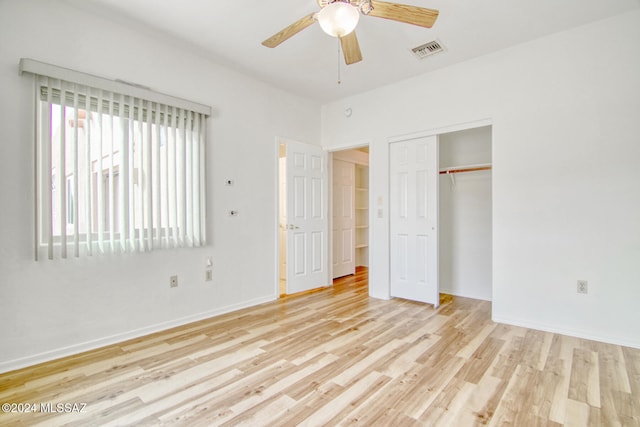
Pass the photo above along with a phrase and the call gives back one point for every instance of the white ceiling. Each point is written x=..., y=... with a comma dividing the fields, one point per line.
x=230, y=32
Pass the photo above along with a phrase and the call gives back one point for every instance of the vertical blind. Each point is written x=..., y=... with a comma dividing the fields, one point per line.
x=116, y=172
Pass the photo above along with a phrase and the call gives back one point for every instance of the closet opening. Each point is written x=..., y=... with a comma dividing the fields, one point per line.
x=465, y=213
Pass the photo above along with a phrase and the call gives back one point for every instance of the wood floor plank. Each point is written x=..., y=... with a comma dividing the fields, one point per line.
x=478, y=363
x=337, y=357
x=480, y=405
x=577, y=414
x=348, y=374
x=324, y=375
x=264, y=412
x=353, y=392
x=555, y=378
x=309, y=404
x=432, y=380
x=516, y=405
x=632, y=363
x=362, y=393
x=584, y=385
x=449, y=406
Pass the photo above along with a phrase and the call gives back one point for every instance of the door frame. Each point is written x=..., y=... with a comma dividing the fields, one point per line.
x=276, y=186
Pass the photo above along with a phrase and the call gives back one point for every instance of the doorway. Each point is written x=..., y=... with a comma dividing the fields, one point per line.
x=349, y=219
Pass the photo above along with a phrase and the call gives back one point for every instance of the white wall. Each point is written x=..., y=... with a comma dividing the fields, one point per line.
x=566, y=147
x=465, y=215
x=50, y=308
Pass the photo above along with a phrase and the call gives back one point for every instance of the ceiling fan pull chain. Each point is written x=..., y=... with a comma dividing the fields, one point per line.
x=339, y=61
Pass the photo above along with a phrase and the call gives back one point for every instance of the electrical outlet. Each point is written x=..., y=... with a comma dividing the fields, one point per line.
x=208, y=275
x=582, y=287
x=173, y=281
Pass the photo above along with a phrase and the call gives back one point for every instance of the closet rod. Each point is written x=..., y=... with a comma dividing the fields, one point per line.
x=465, y=169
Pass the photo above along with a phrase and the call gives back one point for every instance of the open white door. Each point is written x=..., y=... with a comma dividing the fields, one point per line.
x=413, y=198
x=344, y=221
x=307, y=222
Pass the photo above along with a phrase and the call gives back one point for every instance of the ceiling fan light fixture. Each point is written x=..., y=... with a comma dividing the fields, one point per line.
x=338, y=18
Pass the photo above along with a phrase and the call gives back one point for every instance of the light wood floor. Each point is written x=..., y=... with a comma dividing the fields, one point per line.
x=338, y=357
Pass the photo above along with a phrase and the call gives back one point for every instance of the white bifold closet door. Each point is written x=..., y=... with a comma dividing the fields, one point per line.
x=413, y=198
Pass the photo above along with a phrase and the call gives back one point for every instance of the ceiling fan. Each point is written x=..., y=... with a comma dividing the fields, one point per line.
x=338, y=18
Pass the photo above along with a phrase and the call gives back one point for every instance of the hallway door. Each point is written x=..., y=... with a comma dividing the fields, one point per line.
x=307, y=221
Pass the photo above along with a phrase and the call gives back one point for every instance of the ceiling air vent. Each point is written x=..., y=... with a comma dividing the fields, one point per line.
x=427, y=49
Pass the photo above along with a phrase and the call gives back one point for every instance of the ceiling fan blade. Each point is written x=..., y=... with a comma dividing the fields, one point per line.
x=415, y=15
x=351, y=48
x=290, y=31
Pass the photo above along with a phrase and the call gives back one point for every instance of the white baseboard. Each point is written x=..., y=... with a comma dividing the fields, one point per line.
x=622, y=341
x=58, y=353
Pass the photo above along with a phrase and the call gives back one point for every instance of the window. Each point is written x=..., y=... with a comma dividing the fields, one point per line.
x=119, y=169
